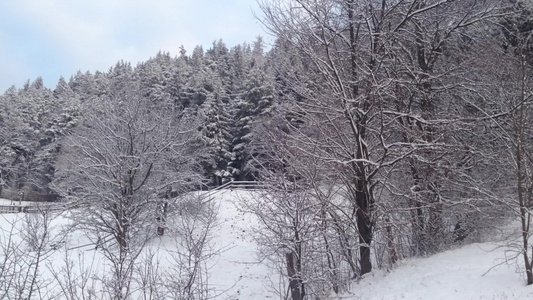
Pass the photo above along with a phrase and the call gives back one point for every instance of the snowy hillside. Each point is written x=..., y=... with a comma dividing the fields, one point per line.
x=469, y=272
x=456, y=274
x=236, y=271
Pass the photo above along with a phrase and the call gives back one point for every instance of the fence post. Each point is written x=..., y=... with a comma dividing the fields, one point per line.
x=20, y=200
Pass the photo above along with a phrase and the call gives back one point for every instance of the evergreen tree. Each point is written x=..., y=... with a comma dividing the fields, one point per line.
x=216, y=133
x=82, y=84
x=254, y=102
x=37, y=119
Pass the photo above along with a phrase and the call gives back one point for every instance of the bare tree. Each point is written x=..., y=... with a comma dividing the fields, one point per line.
x=382, y=89
x=303, y=231
x=339, y=42
x=511, y=93
x=25, y=247
x=127, y=152
x=187, y=274
x=433, y=84
x=77, y=277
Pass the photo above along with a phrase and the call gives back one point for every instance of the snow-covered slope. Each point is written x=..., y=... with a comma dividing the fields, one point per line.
x=476, y=271
x=236, y=272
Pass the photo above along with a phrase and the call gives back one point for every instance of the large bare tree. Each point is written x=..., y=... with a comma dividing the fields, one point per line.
x=379, y=90
x=512, y=94
x=118, y=165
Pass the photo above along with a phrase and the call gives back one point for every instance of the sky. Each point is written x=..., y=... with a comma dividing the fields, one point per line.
x=53, y=38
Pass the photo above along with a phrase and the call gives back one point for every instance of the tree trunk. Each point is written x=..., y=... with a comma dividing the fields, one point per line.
x=525, y=218
x=296, y=285
x=123, y=236
x=121, y=227
x=393, y=255
x=161, y=220
x=521, y=123
x=364, y=227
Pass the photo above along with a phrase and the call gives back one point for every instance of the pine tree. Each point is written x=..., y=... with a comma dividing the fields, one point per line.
x=37, y=119
x=216, y=133
x=254, y=102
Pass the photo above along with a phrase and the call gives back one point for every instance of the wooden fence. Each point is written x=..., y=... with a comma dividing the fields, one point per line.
x=233, y=185
x=30, y=208
x=26, y=195
x=23, y=206
x=243, y=185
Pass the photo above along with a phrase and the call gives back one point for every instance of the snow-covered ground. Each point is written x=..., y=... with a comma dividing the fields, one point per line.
x=236, y=272
x=476, y=271
x=470, y=272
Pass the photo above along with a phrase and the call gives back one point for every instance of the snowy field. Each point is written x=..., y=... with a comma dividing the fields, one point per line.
x=236, y=272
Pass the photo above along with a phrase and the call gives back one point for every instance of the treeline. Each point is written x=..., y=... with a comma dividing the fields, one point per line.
x=230, y=88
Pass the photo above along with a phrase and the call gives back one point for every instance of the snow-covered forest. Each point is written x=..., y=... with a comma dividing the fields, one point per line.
x=376, y=131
